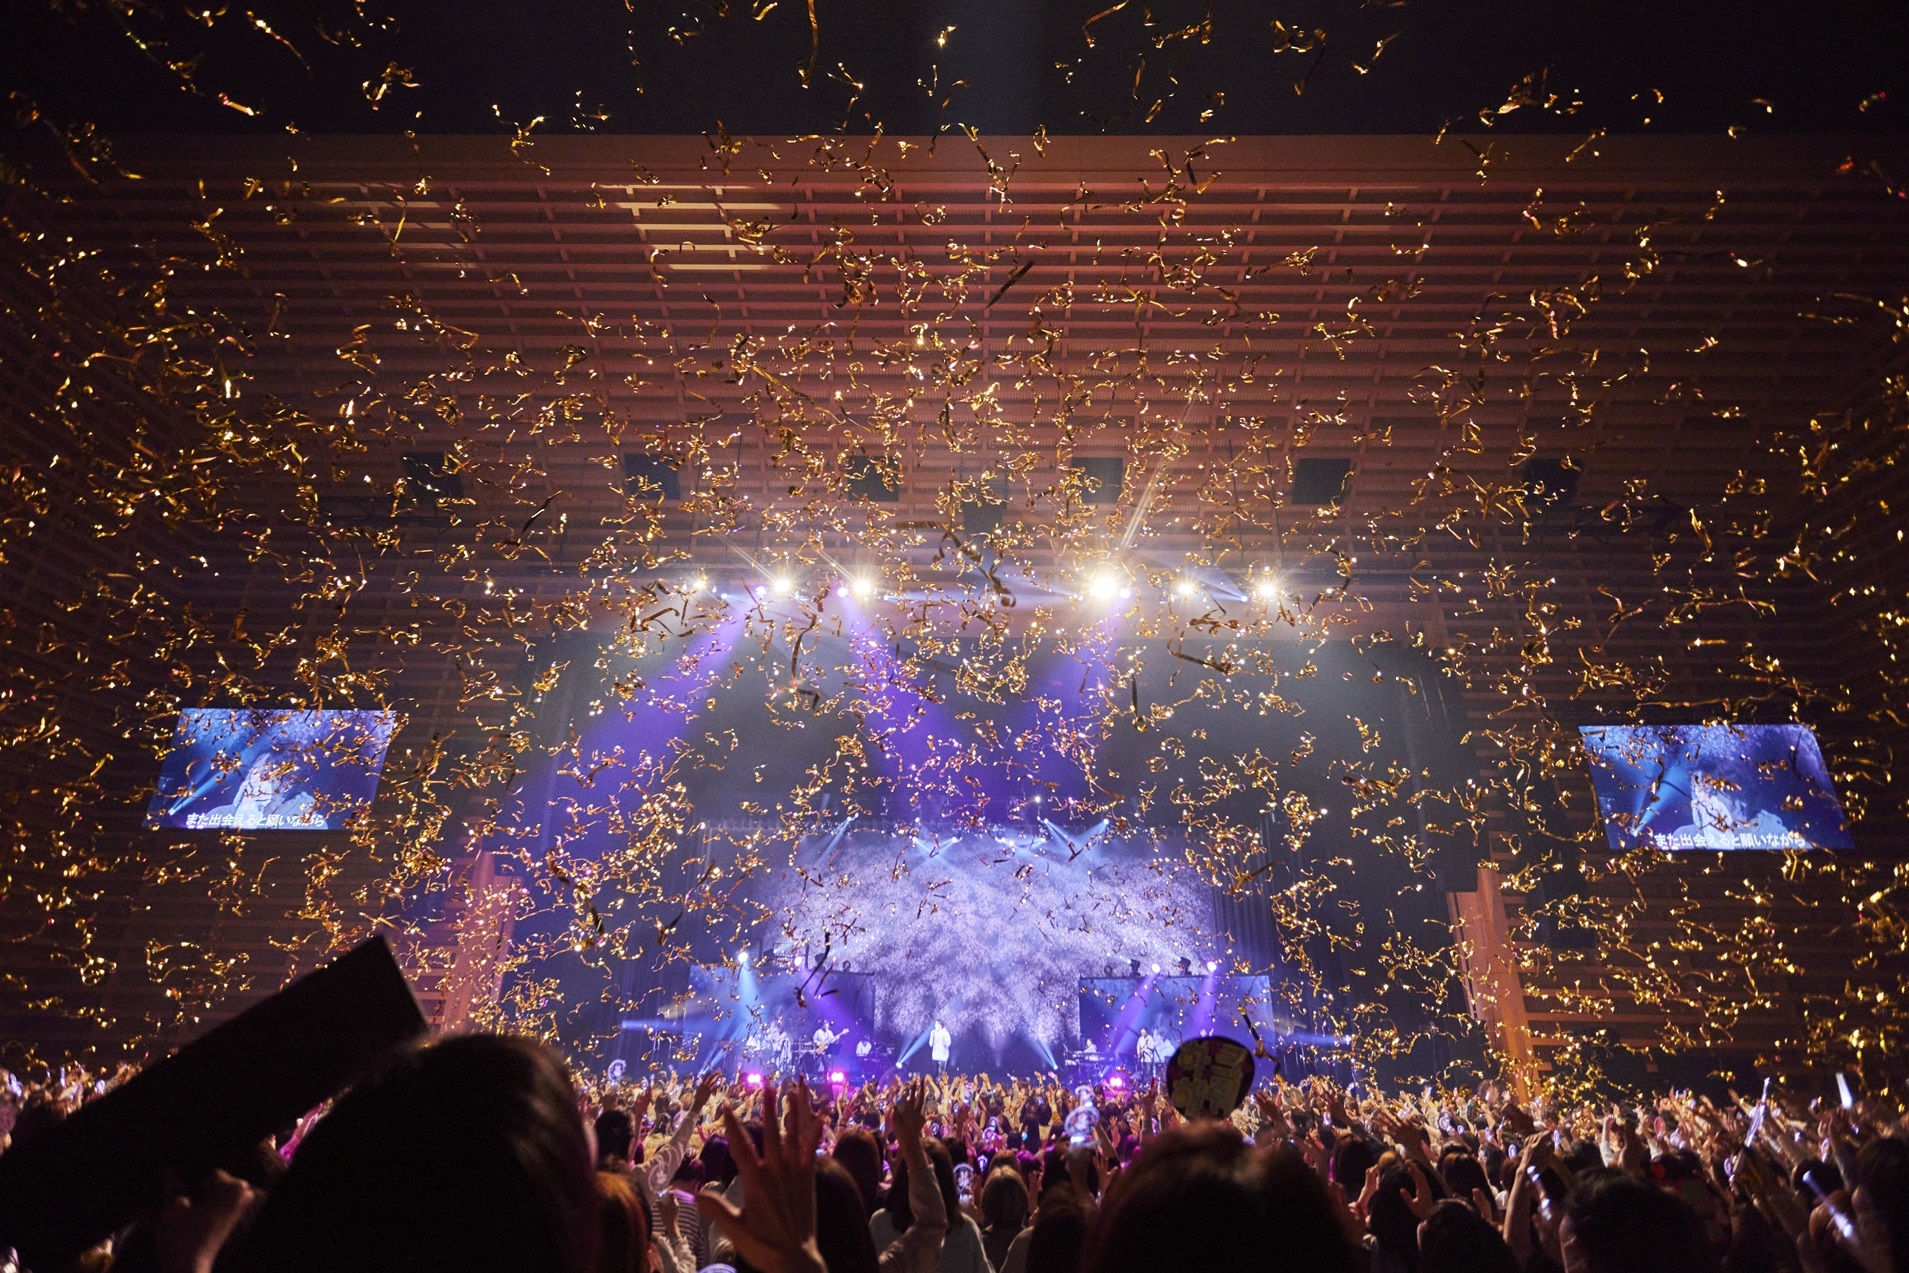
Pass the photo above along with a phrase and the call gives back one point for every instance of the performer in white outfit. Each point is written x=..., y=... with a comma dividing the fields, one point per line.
x=940, y=1043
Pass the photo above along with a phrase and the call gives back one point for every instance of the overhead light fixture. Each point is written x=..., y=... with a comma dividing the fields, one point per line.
x=1266, y=588
x=1104, y=585
x=781, y=586
x=863, y=588
x=1184, y=588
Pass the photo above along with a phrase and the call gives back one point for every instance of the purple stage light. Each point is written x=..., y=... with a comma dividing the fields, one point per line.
x=841, y=590
x=641, y=738
x=837, y=1076
x=1212, y=965
x=1116, y=1082
x=752, y=1080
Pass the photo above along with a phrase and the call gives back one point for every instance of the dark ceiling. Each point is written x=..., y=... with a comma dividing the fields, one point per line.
x=1171, y=67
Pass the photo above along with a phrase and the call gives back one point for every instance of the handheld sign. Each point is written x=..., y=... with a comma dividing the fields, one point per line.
x=1208, y=1078
x=75, y=1183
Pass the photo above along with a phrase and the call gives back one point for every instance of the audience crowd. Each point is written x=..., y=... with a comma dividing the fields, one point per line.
x=485, y=1153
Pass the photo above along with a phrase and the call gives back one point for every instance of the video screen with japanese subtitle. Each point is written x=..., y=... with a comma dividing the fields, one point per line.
x=1713, y=787
x=253, y=769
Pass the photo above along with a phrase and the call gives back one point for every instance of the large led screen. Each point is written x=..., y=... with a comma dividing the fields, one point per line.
x=1713, y=787
x=267, y=770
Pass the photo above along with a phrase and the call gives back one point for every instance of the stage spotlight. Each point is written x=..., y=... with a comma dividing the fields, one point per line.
x=1266, y=588
x=1156, y=970
x=1104, y=585
x=781, y=586
x=1184, y=588
x=863, y=588
x=841, y=590
x=1116, y=1082
x=752, y=1080
x=838, y=1077
x=1212, y=965
x=742, y=956
x=698, y=585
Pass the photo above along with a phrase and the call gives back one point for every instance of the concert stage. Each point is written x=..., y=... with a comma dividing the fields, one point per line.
x=1038, y=949
x=980, y=881
x=770, y=1015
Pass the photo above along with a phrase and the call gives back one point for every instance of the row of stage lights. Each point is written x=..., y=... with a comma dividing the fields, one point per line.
x=1186, y=965
x=1103, y=587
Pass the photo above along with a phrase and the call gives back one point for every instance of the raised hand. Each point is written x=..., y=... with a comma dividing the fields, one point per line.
x=1630, y=1147
x=775, y=1228
x=1336, y=1106
x=905, y=1116
x=1272, y=1116
x=1408, y=1135
x=1349, y=1223
x=190, y=1231
x=1368, y=1192
x=1313, y=1150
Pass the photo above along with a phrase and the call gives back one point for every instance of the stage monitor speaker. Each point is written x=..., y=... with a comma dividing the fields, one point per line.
x=1318, y=481
x=1550, y=483
x=429, y=479
x=1100, y=478
x=980, y=518
x=1556, y=931
x=872, y=478
x=205, y=1105
x=651, y=477
x=1456, y=859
